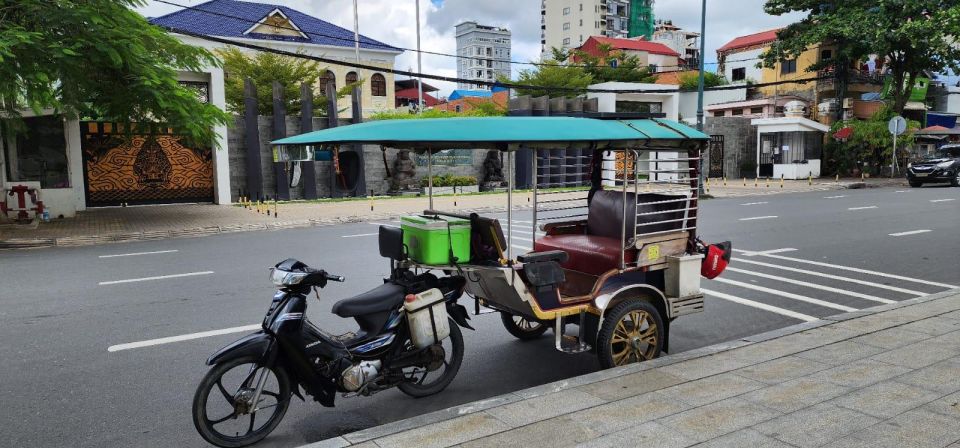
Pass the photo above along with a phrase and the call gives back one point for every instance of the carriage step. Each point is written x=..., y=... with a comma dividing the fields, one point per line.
x=570, y=344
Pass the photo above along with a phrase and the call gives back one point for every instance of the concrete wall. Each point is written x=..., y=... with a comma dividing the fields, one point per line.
x=739, y=141
x=746, y=60
x=688, y=102
x=948, y=100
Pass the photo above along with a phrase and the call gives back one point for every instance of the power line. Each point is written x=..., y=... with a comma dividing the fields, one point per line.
x=380, y=46
x=510, y=85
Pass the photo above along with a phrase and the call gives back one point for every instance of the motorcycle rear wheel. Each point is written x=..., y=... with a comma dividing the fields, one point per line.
x=419, y=386
x=275, y=399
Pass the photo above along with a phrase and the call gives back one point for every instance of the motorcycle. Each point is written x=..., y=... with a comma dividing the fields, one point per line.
x=259, y=373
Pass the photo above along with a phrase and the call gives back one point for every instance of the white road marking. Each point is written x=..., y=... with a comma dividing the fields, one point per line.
x=528, y=249
x=748, y=253
x=762, y=306
x=183, y=337
x=910, y=232
x=853, y=269
x=159, y=277
x=942, y=200
x=834, y=277
x=758, y=217
x=788, y=295
x=523, y=222
x=862, y=208
x=754, y=203
x=139, y=253
x=359, y=234
x=902, y=191
x=812, y=285
x=835, y=197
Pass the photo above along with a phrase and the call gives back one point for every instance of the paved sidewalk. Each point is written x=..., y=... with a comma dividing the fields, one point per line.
x=105, y=225
x=884, y=377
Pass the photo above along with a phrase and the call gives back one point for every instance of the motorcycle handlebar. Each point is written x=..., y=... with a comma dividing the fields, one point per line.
x=335, y=278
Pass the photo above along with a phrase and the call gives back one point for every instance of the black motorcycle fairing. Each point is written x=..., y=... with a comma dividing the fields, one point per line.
x=254, y=344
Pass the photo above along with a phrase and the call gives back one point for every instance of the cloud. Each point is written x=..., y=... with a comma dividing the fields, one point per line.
x=393, y=22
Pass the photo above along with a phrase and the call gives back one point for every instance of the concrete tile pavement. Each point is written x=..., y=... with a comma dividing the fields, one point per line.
x=765, y=391
x=103, y=225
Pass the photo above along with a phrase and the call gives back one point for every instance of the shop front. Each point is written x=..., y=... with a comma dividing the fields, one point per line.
x=789, y=147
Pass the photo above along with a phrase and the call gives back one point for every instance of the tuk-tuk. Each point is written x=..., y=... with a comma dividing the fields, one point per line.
x=613, y=223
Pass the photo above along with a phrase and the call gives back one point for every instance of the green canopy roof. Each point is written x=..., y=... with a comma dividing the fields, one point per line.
x=502, y=132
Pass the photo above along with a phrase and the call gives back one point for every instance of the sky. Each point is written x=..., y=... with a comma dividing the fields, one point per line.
x=393, y=22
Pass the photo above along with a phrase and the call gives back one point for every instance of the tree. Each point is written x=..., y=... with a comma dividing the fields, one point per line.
x=550, y=75
x=99, y=59
x=913, y=35
x=870, y=142
x=264, y=68
x=612, y=65
x=691, y=80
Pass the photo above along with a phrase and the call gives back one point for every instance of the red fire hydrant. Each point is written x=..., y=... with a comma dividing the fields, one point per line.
x=22, y=192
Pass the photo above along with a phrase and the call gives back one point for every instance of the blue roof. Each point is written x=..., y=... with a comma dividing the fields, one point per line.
x=231, y=18
x=457, y=94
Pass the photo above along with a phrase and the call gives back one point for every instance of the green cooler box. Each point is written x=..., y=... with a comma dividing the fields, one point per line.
x=428, y=242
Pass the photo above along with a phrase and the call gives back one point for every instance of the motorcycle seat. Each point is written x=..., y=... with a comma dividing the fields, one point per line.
x=386, y=297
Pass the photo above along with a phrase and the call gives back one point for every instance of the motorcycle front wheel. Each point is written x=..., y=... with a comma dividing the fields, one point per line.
x=223, y=409
x=423, y=381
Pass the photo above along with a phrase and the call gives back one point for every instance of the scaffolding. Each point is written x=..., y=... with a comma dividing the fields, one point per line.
x=641, y=19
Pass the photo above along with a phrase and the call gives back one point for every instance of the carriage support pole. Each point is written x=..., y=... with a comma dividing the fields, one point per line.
x=511, y=151
x=536, y=180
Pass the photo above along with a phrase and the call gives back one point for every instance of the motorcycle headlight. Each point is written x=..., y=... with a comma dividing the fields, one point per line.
x=285, y=278
x=945, y=165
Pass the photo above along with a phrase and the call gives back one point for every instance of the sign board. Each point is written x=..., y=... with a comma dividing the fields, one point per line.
x=897, y=125
x=447, y=157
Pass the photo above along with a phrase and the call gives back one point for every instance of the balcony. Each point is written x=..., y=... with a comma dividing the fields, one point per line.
x=857, y=81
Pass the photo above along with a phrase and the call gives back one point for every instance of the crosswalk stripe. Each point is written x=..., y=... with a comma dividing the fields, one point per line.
x=834, y=277
x=762, y=306
x=788, y=295
x=858, y=270
x=812, y=285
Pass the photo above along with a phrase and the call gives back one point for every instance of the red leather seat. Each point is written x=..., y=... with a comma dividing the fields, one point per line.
x=590, y=254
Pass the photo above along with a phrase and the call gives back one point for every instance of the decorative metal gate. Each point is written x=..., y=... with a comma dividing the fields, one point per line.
x=154, y=168
x=716, y=156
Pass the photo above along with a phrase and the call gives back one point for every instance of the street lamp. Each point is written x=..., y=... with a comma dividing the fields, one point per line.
x=703, y=30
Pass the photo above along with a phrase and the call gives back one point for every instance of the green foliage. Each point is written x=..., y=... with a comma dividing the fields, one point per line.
x=99, y=59
x=870, y=143
x=450, y=180
x=577, y=69
x=264, y=69
x=480, y=109
x=691, y=80
x=913, y=35
x=550, y=76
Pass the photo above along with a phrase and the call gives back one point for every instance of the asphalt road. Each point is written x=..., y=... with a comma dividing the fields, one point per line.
x=809, y=255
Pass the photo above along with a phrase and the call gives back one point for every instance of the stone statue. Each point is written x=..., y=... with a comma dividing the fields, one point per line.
x=404, y=173
x=492, y=170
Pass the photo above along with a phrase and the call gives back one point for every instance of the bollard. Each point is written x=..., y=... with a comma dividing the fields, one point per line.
x=724, y=181
x=837, y=178
x=276, y=208
x=706, y=187
x=862, y=176
x=744, y=180
x=810, y=179
x=767, y=182
x=371, y=202
x=756, y=182
x=781, y=181
x=454, y=196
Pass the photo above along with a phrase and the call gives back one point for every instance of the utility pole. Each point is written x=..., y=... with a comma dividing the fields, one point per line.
x=419, y=67
x=703, y=31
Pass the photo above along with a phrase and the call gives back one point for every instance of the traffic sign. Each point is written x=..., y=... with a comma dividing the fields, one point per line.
x=897, y=125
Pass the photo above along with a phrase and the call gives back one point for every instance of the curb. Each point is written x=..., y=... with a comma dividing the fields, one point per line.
x=90, y=240
x=442, y=415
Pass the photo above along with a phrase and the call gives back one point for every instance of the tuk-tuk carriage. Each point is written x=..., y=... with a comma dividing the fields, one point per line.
x=613, y=224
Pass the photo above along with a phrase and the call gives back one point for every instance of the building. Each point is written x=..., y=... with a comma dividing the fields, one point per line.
x=408, y=94
x=655, y=55
x=566, y=24
x=461, y=101
x=738, y=59
x=759, y=108
x=77, y=164
x=685, y=43
x=484, y=54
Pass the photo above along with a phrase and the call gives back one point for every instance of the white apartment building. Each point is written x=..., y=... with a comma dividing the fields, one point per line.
x=484, y=54
x=685, y=43
x=568, y=24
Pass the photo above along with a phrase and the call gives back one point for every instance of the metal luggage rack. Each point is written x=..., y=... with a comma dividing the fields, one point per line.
x=664, y=172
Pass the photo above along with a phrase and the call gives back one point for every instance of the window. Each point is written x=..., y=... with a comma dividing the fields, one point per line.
x=756, y=110
x=458, y=108
x=736, y=112
x=581, y=22
x=639, y=106
x=330, y=78
x=378, y=85
x=739, y=74
x=351, y=77
x=38, y=153
x=788, y=66
x=581, y=6
x=566, y=11
x=566, y=41
x=653, y=68
x=566, y=25
x=479, y=73
x=718, y=113
x=826, y=54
